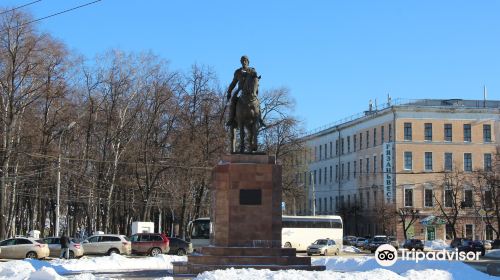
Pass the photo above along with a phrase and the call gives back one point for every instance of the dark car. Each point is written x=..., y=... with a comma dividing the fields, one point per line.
x=472, y=246
x=377, y=241
x=416, y=244
x=180, y=247
x=495, y=244
x=151, y=244
x=393, y=241
x=458, y=241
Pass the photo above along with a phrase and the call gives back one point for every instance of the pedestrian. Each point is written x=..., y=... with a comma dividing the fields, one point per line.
x=64, y=246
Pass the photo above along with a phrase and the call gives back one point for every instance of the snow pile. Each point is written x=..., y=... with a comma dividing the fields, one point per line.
x=45, y=273
x=250, y=274
x=15, y=270
x=457, y=270
x=434, y=245
x=495, y=253
x=350, y=249
x=115, y=262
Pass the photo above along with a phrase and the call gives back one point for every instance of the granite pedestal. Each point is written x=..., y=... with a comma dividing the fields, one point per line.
x=245, y=219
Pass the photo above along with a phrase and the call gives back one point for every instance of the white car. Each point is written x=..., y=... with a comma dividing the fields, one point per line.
x=107, y=244
x=21, y=247
x=75, y=248
x=323, y=247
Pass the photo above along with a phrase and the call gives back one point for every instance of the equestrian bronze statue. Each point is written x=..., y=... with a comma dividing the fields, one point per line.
x=244, y=111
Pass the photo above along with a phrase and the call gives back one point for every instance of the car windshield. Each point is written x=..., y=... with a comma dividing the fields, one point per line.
x=378, y=239
x=321, y=242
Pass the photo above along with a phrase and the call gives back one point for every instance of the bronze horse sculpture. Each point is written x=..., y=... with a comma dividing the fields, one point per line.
x=247, y=115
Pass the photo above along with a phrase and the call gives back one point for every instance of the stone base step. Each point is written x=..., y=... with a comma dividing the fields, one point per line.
x=247, y=251
x=249, y=260
x=193, y=269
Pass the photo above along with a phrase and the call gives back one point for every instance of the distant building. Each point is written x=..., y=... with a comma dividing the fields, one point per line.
x=397, y=156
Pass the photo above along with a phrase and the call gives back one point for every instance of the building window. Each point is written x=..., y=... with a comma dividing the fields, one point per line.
x=408, y=161
x=448, y=161
x=449, y=232
x=331, y=150
x=468, y=162
x=320, y=176
x=487, y=162
x=486, y=133
x=468, y=198
x=337, y=147
x=354, y=138
x=348, y=171
x=355, y=168
x=342, y=172
x=374, y=137
x=320, y=151
x=336, y=202
x=319, y=201
x=314, y=178
x=382, y=131
x=375, y=199
x=367, y=139
x=428, y=198
x=382, y=163
x=348, y=201
x=469, y=231
x=367, y=166
x=375, y=165
x=324, y=176
x=428, y=131
x=467, y=133
x=331, y=173
x=428, y=161
x=342, y=146
x=448, y=197
x=361, y=141
x=407, y=131
x=489, y=232
x=348, y=144
x=360, y=200
x=390, y=132
x=331, y=204
x=448, y=133
x=488, y=200
x=408, y=197
x=326, y=205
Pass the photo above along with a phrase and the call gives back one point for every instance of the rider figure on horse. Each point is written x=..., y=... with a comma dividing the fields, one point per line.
x=239, y=78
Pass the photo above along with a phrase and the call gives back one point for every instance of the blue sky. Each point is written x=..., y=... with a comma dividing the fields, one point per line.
x=334, y=56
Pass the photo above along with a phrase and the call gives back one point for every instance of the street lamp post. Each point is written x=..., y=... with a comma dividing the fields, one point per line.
x=58, y=184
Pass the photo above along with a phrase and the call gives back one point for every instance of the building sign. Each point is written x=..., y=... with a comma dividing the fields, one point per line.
x=388, y=176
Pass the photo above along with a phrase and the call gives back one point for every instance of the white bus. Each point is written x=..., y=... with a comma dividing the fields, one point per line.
x=198, y=232
x=301, y=231
x=297, y=231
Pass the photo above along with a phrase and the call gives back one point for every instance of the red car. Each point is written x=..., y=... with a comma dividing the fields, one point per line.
x=151, y=244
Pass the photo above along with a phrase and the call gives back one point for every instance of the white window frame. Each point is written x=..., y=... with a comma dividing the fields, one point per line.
x=404, y=160
x=444, y=196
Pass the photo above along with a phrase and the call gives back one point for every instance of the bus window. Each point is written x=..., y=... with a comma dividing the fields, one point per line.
x=201, y=229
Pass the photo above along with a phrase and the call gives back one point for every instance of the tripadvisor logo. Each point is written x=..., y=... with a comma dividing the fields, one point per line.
x=387, y=255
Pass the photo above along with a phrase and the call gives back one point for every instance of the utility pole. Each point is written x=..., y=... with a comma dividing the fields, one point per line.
x=58, y=186
x=313, y=194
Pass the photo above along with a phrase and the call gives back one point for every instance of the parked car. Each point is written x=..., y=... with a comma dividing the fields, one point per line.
x=366, y=244
x=107, y=244
x=349, y=240
x=323, y=247
x=21, y=247
x=458, y=242
x=359, y=241
x=416, y=244
x=495, y=244
x=377, y=241
x=152, y=244
x=180, y=247
x=393, y=241
x=487, y=244
x=472, y=246
x=54, y=243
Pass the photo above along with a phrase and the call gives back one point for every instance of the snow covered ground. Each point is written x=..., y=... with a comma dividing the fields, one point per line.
x=350, y=249
x=356, y=268
x=56, y=269
x=437, y=244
